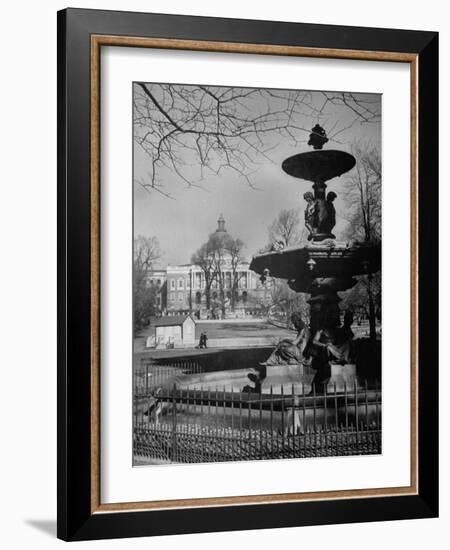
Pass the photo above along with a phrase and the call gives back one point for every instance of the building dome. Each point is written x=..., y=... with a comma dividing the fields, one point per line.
x=221, y=225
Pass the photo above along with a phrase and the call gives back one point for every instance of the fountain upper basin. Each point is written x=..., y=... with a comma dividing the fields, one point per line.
x=319, y=166
x=331, y=259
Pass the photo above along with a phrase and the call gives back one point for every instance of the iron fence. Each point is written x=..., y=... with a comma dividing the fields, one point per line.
x=149, y=375
x=175, y=423
x=191, y=444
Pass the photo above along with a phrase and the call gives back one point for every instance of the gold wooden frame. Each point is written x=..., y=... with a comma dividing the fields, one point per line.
x=97, y=41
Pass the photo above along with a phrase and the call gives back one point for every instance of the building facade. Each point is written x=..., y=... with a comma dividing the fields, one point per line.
x=183, y=289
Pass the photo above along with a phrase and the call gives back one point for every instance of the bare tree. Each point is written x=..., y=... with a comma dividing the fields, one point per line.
x=146, y=251
x=284, y=301
x=219, y=255
x=195, y=131
x=362, y=189
x=217, y=243
x=234, y=249
x=286, y=228
x=280, y=302
x=363, y=197
x=205, y=260
x=357, y=298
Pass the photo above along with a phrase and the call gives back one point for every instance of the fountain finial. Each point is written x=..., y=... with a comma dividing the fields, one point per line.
x=317, y=137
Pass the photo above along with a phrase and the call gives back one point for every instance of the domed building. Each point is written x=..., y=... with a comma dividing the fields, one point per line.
x=183, y=288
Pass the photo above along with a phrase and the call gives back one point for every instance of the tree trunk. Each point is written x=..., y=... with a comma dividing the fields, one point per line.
x=208, y=298
x=234, y=292
x=222, y=300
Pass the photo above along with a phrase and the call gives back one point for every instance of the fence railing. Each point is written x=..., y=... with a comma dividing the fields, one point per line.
x=189, y=444
x=149, y=375
x=173, y=423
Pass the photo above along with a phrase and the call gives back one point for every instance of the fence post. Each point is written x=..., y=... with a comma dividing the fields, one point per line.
x=174, y=425
x=377, y=419
x=314, y=419
x=346, y=406
x=367, y=405
x=355, y=387
x=260, y=427
x=336, y=419
x=282, y=419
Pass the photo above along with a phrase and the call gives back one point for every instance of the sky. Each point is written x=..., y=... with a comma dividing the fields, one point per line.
x=183, y=222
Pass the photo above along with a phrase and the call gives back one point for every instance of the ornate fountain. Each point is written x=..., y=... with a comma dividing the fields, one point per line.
x=322, y=266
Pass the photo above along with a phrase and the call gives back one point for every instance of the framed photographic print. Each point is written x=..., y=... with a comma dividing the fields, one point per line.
x=247, y=274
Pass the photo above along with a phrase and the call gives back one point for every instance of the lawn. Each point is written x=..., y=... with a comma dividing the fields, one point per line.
x=236, y=329
x=224, y=329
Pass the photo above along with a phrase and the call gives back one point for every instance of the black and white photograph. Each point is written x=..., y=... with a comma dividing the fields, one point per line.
x=257, y=292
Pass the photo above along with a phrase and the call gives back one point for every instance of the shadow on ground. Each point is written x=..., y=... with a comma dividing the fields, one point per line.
x=46, y=526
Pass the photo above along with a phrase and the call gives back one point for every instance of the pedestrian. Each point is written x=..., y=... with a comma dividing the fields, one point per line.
x=200, y=341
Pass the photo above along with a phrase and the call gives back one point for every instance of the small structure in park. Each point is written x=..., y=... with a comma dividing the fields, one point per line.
x=175, y=331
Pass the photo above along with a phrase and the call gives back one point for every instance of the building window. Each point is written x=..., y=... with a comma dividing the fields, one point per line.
x=172, y=296
x=198, y=297
x=244, y=297
x=244, y=280
x=180, y=283
x=198, y=280
x=180, y=296
x=228, y=279
x=172, y=284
